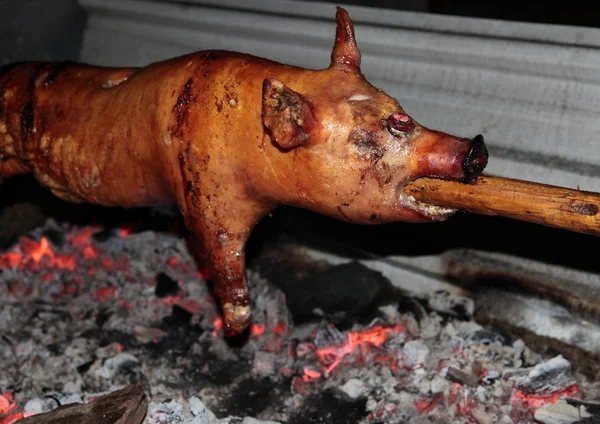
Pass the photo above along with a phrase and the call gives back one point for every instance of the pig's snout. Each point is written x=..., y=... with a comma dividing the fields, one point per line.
x=444, y=156
x=475, y=160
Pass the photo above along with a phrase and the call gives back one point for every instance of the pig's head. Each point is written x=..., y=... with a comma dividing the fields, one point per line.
x=353, y=146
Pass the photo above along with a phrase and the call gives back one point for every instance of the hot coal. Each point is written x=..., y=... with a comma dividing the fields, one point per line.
x=548, y=377
x=96, y=314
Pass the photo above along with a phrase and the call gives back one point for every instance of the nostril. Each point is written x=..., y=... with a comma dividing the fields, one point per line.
x=476, y=159
x=400, y=124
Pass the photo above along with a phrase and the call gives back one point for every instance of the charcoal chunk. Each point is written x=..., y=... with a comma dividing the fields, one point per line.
x=165, y=286
x=328, y=408
x=344, y=292
x=103, y=235
x=179, y=316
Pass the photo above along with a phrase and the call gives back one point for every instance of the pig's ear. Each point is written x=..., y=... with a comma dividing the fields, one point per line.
x=286, y=114
x=345, y=51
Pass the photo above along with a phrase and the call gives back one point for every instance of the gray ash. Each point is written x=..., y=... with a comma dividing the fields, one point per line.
x=88, y=310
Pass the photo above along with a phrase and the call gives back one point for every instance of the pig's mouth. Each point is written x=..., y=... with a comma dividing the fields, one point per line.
x=467, y=169
x=427, y=210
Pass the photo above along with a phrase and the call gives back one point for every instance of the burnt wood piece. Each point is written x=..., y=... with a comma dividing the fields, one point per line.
x=553, y=206
x=125, y=406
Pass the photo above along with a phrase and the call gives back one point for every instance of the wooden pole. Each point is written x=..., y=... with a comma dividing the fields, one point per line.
x=126, y=406
x=553, y=206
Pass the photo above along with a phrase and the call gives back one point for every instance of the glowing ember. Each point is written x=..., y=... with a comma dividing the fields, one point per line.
x=310, y=374
x=105, y=293
x=89, y=253
x=218, y=326
x=64, y=262
x=10, y=260
x=257, y=329
x=7, y=403
x=280, y=328
x=80, y=239
x=535, y=401
x=425, y=406
x=172, y=262
x=173, y=299
x=125, y=231
x=37, y=250
x=13, y=418
x=333, y=355
x=7, y=410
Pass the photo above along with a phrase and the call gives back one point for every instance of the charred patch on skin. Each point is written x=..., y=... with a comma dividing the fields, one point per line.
x=181, y=110
x=219, y=104
x=211, y=56
x=365, y=142
x=194, y=192
x=383, y=173
x=26, y=116
x=182, y=168
x=54, y=72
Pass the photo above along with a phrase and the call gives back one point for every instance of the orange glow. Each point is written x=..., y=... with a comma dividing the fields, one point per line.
x=64, y=262
x=7, y=403
x=10, y=260
x=108, y=264
x=280, y=328
x=333, y=355
x=218, y=325
x=82, y=237
x=125, y=231
x=533, y=401
x=172, y=262
x=310, y=374
x=105, y=293
x=89, y=253
x=257, y=329
x=37, y=250
x=425, y=405
x=172, y=300
x=13, y=418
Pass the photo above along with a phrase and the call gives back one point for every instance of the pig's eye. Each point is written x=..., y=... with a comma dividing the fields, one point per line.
x=399, y=124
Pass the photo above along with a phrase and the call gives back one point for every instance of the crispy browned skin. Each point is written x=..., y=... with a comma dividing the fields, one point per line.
x=226, y=137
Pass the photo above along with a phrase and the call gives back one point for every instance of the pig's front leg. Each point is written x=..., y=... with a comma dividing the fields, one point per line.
x=222, y=241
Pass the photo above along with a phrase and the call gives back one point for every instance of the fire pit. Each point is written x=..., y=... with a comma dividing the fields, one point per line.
x=94, y=305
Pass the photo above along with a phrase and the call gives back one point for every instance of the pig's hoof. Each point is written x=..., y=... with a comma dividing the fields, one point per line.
x=237, y=317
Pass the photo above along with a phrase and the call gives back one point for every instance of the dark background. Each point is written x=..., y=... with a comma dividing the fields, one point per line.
x=53, y=29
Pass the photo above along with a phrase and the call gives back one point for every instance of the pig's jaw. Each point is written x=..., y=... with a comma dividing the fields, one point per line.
x=427, y=210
